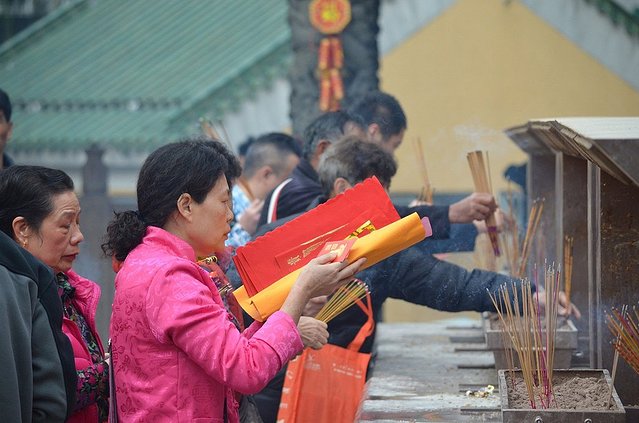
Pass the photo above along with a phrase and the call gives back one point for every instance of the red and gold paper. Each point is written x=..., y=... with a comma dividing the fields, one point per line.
x=290, y=246
x=376, y=246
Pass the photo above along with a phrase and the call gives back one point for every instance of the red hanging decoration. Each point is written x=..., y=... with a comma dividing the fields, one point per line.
x=330, y=17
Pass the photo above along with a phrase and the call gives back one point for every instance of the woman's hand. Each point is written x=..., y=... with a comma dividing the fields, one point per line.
x=251, y=216
x=322, y=277
x=314, y=305
x=314, y=332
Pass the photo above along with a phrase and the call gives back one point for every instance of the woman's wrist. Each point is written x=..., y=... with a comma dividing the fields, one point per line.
x=296, y=301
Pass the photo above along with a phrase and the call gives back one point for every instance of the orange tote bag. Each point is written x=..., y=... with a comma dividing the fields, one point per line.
x=327, y=385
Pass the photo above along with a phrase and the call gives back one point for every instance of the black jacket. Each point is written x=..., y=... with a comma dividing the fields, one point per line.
x=6, y=160
x=296, y=195
x=21, y=268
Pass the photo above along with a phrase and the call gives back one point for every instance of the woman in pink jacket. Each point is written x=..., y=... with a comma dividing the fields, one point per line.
x=42, y=213
x=178, y=354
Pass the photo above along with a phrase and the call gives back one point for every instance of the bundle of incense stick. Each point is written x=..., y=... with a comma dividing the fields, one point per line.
x=615, y=361
x=533, y=341
x=426, y=193
x=480, y=170
x=510, y=237
x=531, y=229
x=342, y=299
x=625, y=326
x=568, y=243
x=209, y=130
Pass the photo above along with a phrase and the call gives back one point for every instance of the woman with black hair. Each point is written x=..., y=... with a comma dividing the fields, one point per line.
x=178, y=354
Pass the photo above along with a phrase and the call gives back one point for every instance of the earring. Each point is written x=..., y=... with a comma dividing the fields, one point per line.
x=24, y=243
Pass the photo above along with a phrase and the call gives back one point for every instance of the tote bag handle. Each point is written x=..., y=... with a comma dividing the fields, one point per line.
x=367, y=328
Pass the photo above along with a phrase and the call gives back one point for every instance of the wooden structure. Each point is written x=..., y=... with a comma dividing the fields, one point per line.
x=587, y=169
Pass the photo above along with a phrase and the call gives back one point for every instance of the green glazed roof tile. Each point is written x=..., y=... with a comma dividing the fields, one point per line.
x=118, y=71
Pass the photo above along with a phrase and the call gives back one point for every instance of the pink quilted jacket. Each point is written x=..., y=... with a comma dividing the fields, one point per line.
x=177, y=356
x=86, y=298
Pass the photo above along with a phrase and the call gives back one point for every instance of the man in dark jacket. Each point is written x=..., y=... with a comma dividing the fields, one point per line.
x=411, y=275
x=295, y=194
x=39, y=378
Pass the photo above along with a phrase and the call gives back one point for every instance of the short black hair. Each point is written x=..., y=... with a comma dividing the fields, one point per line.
x=328, y=126
x=28, y=191
x=355, y=160
x=242, y=149
x=270, y=149
x=5, y=105
x=382, y=109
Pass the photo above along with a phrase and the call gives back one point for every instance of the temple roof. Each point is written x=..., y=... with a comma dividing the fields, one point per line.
x=133, y=75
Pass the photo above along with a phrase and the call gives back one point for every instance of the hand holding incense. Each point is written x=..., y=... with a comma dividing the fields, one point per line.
x=481, y=177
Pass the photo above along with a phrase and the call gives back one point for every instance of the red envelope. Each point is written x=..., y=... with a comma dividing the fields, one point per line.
x=292, y=245
x=342, y=248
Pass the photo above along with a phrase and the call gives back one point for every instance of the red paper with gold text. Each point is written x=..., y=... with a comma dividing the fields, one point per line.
x=292, y=245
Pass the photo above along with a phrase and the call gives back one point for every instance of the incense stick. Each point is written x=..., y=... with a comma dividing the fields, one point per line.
x=227, y=139
x=521, y=317
x=533, y=222
x=481, y=178
x=426, y=193
x=209, y=130
x=568, y=245
x=625, y=328
x=510, y=236
x=612, y=377
x=342, y=299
